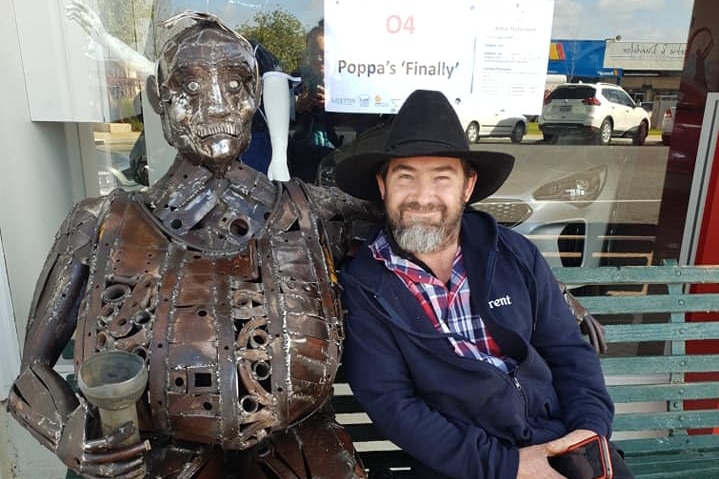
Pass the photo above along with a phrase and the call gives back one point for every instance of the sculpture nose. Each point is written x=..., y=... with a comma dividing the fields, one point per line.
x=217, y=104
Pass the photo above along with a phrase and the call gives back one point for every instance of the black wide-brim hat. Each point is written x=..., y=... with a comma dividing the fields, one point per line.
x=425, y=125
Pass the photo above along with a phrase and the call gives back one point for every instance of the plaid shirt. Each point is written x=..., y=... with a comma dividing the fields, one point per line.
x=447, y=307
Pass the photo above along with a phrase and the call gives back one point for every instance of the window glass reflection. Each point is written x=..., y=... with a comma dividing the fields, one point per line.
x=586, y=201
x=590, y=192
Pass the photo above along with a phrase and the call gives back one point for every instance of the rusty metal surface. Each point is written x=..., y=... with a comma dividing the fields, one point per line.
x=224, y=283
x=247, y=328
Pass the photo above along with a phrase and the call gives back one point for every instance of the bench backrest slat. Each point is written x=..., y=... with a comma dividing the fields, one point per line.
x=623, y=333
x=661, y=364
x=638, y=275
x=648, y=386
x=656, y=421
x=663, y=392
x=668, y=444
x=652, y=304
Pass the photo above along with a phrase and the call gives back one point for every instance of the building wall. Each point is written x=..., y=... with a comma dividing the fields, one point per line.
x=41, y=182
x=651, y=83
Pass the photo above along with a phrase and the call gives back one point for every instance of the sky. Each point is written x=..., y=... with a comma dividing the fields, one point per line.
x=635, y=20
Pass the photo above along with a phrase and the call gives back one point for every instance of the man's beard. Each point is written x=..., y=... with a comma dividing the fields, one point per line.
x=424, y=237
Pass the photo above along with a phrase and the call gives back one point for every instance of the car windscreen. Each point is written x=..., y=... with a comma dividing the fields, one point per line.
x=572, y=93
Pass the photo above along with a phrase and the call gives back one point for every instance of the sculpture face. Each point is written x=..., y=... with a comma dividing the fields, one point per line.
x=209, y=92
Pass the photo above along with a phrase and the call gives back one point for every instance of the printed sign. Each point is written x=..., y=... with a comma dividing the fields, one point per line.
x=487, y=52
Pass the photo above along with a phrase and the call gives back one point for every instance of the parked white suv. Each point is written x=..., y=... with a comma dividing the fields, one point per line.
x=598, y=111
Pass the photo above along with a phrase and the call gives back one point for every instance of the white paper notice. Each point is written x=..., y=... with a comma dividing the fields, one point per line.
x=491, y=51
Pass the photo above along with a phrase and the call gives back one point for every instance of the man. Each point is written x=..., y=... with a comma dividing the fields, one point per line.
x=219, y=279
x=314, y=135
x=459, y=344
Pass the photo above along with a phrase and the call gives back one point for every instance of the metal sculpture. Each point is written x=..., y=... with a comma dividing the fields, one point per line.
x=220, y=280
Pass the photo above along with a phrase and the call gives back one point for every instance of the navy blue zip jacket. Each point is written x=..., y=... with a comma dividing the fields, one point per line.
x=461, y=417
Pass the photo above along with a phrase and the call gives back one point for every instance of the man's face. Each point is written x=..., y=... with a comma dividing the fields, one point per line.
x=209, y=97
x=424, y=198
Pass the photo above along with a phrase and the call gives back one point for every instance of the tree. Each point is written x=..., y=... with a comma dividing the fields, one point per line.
x=122, y=19
x=281, y=33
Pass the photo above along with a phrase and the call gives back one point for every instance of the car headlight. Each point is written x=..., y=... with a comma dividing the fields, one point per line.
x=580, y=188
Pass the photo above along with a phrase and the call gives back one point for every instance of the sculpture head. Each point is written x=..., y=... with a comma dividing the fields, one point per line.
x=206, y=91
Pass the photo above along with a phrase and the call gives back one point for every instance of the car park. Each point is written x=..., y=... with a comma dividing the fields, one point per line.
x=478, y=123
x=668, y=125
x=594, y=111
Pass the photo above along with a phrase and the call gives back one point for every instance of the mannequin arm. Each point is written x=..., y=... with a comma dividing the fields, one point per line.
x=90, y=21
x=276, y=100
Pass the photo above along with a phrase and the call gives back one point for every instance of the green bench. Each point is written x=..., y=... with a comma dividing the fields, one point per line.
x=643, y=309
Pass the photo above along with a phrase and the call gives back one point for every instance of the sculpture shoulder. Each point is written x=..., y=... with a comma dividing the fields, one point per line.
x=82, y=225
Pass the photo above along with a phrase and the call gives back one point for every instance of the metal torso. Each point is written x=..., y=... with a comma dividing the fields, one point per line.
x=227, y=288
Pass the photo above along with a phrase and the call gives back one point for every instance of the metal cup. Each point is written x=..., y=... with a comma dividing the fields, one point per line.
x=114, y=381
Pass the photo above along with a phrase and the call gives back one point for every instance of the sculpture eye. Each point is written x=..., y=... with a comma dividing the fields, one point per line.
x=233, y=85
x=192, y=86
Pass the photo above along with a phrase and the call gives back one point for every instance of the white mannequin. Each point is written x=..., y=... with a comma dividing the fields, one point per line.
x=275, y=89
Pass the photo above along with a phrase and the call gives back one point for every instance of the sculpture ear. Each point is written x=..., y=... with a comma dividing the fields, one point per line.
x=152, y=91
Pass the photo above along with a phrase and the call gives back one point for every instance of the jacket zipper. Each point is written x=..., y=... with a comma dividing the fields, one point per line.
x=515, y=379
x=517, y=385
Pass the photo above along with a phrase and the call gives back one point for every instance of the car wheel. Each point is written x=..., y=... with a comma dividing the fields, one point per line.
x=550, y=139
x=517, y=133
x=472, y=132
x=641, y=135
x=605, y=132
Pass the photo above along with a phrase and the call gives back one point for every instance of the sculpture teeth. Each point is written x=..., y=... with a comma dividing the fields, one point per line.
x=217, y=129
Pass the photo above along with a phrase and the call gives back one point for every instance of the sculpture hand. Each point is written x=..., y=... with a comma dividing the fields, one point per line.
x=102, y=457
x=596, y=332
x=588, y=324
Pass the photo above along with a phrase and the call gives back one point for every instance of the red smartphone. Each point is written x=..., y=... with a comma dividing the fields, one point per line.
x=587, y=459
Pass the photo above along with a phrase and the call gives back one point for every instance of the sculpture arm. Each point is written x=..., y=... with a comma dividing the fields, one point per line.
x=40, y=398
x=90, y=21
x=59, y=288
x=348, y=221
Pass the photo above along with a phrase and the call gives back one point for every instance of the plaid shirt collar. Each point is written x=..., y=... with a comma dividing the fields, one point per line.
x=407, y=266
x=446, y=306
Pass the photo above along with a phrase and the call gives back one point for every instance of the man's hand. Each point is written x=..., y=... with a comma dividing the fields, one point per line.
x=308, y=101
x=533, y=463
